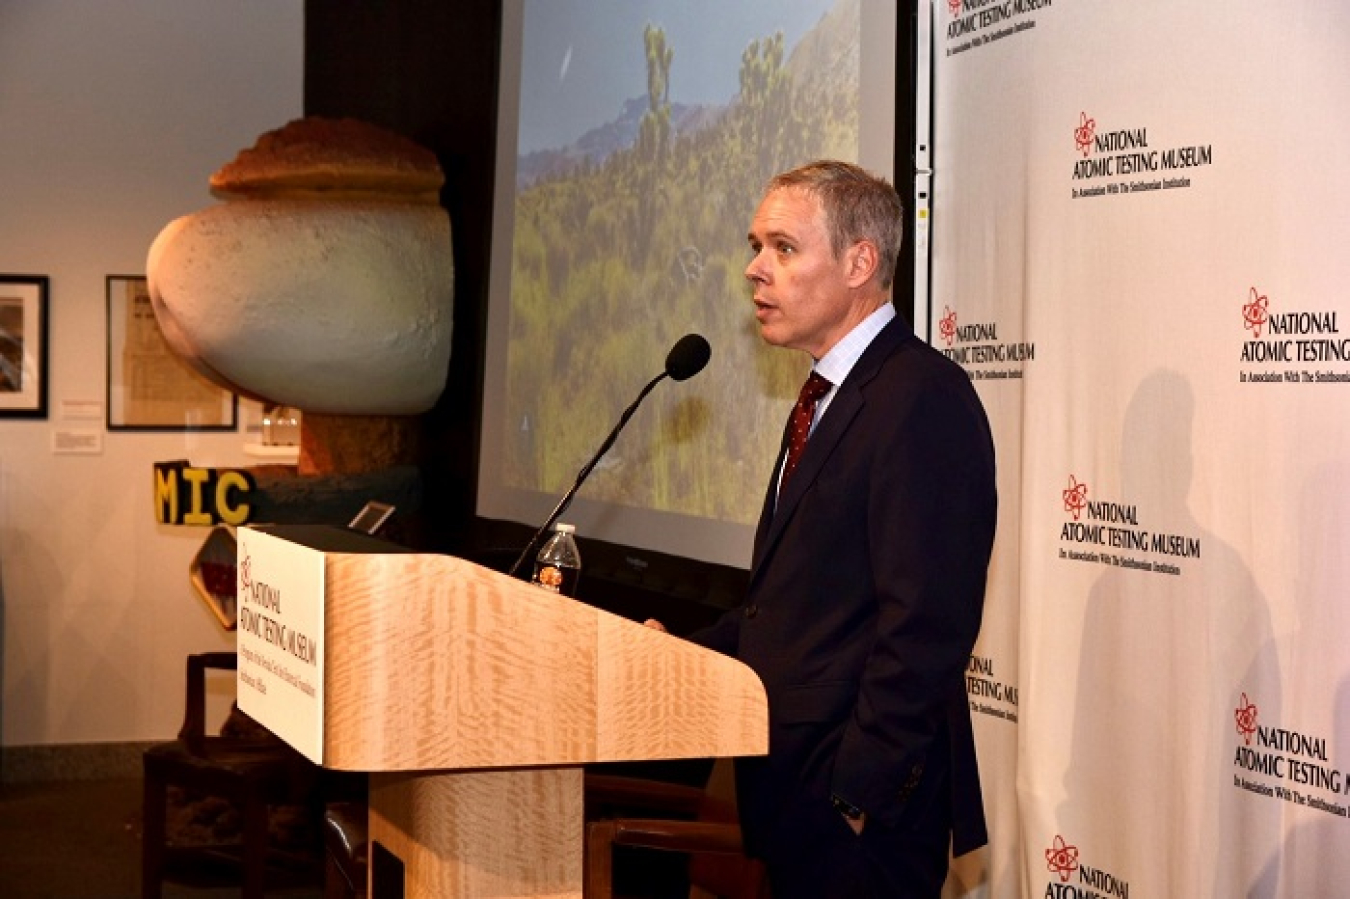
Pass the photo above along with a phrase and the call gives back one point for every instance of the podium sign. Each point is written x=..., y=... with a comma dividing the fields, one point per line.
x=280, y=617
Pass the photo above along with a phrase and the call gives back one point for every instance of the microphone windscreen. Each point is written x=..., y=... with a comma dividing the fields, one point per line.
x=688, y=357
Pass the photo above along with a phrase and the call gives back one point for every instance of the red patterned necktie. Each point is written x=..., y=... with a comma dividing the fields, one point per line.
x=799, y=425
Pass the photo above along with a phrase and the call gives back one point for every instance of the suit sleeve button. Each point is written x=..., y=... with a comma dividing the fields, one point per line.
x=751, y=610
x=915, y=776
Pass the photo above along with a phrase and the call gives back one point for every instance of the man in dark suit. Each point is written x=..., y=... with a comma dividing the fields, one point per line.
x=867, y=581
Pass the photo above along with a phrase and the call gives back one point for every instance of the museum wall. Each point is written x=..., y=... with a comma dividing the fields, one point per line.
x=114, y=117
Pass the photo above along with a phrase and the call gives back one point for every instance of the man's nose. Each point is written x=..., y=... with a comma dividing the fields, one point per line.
x=754, y=272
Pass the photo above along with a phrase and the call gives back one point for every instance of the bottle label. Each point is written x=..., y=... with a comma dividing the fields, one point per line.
x=556, y=579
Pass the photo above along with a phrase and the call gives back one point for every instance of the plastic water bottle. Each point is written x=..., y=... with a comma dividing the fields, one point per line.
x=558, y=565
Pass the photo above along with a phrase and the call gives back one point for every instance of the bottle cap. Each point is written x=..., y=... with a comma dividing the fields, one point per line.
x=564, y=528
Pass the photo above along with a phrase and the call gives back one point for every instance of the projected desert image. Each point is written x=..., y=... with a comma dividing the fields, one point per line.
x=644, y=144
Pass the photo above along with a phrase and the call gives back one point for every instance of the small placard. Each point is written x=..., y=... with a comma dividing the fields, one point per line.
x=87, y=443
x=79, y=410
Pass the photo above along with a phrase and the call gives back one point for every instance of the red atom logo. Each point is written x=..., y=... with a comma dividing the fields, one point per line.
x=1062, y=859
x=947, y=325
x=1075, y=497
x=954, y=6
x=1083, y=134
x=245, y=578
x=1255, y=313
x=1246, y=719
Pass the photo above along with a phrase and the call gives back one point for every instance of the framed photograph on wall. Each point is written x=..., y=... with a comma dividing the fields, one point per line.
x=23, y=346
x=149, y=387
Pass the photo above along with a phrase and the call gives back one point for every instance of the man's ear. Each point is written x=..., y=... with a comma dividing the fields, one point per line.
x=861, y=262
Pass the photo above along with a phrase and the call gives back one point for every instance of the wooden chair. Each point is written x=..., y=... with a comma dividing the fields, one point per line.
x=252, y=771
x=700, y=823
x=346, y=850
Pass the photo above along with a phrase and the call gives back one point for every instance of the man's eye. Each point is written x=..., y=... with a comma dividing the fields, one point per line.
x=786, y=248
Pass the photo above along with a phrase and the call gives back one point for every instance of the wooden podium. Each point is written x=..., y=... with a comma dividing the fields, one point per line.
x=473, y=699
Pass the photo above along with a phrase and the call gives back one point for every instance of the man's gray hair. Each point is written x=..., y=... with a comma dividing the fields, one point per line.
x=857, y=205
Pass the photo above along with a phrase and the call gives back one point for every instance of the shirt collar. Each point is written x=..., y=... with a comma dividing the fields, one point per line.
x=839, y=361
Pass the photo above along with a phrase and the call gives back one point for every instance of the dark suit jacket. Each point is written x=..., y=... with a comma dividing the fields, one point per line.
x=866, y=592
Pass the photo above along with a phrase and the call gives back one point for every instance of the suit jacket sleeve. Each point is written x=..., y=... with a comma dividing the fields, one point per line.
x=723, y=634
x=931, y=512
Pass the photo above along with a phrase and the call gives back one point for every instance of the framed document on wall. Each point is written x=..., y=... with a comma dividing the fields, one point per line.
x=149, y=387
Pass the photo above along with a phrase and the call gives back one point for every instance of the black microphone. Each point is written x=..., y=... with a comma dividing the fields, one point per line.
x=686, y=358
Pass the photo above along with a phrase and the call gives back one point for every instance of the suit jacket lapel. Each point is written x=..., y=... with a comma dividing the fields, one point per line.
x=766, y=511
x=843, y=409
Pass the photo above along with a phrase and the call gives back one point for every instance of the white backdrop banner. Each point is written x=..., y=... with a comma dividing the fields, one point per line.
x=1140, y=213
